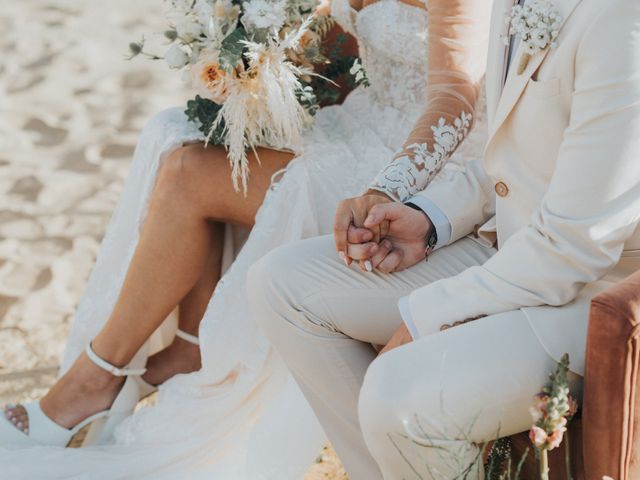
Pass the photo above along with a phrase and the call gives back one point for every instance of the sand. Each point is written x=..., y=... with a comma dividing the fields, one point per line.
x=71, y=109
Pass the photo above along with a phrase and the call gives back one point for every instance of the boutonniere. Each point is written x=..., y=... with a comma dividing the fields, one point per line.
x=537, y=25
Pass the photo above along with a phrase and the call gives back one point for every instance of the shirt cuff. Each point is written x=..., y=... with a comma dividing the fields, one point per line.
x=405, y=313
x=437, y=217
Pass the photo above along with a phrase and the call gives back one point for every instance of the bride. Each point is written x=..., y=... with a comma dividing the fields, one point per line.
x=165, y=304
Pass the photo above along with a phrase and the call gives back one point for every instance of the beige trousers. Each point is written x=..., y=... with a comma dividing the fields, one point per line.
x=419, y=411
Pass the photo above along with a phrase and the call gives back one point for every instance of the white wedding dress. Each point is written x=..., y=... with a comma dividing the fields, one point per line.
x=253, y=424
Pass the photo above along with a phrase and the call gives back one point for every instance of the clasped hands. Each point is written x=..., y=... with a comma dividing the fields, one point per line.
x=383, y=235
x=380, y=234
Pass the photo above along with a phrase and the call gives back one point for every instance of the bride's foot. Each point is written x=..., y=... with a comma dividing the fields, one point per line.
x=181, y=356
x=84, y=390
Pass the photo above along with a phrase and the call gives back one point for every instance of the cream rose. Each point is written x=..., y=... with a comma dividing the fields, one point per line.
x=210, y=81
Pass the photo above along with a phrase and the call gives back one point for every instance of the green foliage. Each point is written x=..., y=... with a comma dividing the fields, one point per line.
x=307, y=98
x=499, y=462
x=345, y=67
x=558, y=385
x=232, y=50
x=327, y=92
x=359, y=74
x=204, y=112
x=498, y=459
x=339, y=66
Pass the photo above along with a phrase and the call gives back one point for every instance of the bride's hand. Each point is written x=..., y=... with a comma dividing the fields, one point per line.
x=351, y=213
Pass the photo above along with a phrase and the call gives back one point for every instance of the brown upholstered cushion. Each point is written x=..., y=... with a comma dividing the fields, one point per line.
x=610, y=407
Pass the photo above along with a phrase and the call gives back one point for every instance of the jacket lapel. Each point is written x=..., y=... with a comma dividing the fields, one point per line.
x=497, y=57
x=516, y=83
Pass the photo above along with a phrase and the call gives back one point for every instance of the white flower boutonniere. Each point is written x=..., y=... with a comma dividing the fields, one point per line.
x=537, y=25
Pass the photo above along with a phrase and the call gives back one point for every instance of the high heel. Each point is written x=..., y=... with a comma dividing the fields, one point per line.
x=44, y=431
x=147, y=389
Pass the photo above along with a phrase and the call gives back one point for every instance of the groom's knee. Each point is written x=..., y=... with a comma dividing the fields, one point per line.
x=380, y=402
x=270, y=287
x=278, y=285
x=395, y=400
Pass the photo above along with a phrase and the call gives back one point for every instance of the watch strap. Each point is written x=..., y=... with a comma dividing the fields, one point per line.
x=431, y=240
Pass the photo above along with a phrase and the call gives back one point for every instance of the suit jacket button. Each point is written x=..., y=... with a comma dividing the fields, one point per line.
x=501, y=189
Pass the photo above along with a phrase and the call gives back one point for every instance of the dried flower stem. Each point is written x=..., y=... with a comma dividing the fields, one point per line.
x=567, y=455
x=544, y=465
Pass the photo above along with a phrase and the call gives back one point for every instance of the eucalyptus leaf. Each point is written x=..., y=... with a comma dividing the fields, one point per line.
x=204, y=112
x=232, y=49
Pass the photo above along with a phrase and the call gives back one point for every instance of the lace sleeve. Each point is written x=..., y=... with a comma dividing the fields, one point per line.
x=457, y=51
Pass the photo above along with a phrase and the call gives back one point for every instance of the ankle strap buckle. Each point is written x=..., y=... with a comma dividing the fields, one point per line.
x=112, y=369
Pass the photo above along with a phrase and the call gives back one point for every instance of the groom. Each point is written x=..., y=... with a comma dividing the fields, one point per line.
x=543, y=222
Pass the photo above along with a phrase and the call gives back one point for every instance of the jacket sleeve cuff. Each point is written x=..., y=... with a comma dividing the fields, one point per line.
x=405, y=313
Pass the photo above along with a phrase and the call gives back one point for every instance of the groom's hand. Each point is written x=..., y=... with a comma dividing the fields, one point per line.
x=404, y=244
x=351, y=213
x=401, y=337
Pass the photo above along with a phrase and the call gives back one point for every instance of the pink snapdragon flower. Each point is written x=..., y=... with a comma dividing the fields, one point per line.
x=538, y=436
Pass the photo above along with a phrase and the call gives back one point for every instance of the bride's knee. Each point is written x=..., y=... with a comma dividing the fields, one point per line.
x=181, y=172
x=378, y=403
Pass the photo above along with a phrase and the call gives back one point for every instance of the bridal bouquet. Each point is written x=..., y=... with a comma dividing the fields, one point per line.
x=251, y=64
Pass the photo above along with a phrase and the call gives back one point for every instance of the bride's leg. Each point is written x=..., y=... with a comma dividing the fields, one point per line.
x=193, y=189
x=182, y=356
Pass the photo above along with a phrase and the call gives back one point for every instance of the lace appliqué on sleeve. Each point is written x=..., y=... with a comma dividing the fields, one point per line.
x=410, y=174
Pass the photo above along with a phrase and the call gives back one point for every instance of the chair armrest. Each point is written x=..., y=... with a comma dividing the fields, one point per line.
x=610, y=413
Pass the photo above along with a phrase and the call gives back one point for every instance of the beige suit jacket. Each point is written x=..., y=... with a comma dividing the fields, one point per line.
x=558, y=189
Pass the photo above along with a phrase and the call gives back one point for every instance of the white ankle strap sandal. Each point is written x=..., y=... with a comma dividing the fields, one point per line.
x=44, y=431
x=146, y=388
x=188, y=337
x=115, y=371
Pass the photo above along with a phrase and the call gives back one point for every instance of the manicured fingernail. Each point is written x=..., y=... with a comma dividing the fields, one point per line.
x=369, y=219
x=368, y=266
x=344, y=258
